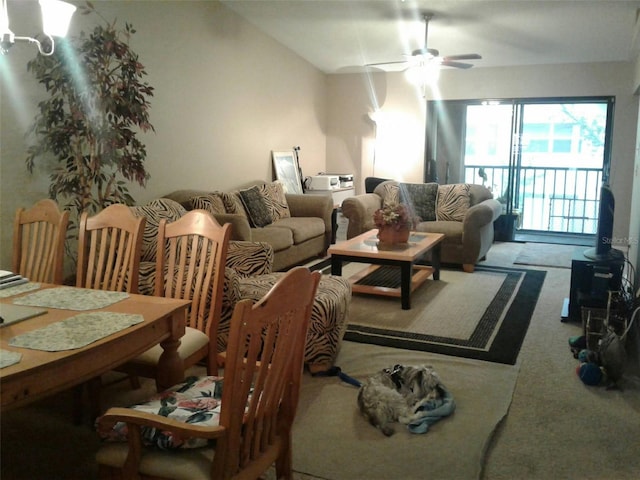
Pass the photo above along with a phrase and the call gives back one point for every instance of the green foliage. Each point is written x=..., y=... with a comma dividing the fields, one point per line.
x=97, y=104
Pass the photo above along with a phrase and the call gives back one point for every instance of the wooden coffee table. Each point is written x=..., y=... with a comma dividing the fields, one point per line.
x=365, y=248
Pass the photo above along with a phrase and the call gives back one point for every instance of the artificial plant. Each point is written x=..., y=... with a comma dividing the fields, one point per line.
x=89, y=125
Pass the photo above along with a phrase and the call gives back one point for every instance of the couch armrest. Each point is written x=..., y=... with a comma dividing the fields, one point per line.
x=240, y=228
x=359, y=211
x=250, y=258
x=481, y=214
x=320, y=206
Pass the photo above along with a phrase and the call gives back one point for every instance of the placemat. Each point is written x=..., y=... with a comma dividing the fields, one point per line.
x=8, y=358
x=70, y=298
x=25, y=287
x=76, y=332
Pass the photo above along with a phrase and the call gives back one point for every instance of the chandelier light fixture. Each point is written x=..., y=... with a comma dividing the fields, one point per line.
x=56, y=16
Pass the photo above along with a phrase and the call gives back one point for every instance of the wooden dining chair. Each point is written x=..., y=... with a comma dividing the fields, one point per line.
x=191, y=252
x=257, y=407
x=109, y=245
x=38, y=242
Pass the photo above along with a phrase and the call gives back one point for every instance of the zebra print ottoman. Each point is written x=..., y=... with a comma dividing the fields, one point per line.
x=328, y=316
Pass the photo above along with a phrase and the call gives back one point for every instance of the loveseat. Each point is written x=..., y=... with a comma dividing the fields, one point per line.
x=249, y=274
x=464, y=213
x=298, y=227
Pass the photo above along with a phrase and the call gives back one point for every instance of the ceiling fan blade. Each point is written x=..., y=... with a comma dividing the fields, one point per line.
x=384, y=63
x=447, y=63
x=464, y=56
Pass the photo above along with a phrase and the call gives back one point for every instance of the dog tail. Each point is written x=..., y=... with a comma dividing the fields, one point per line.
x=337, y=372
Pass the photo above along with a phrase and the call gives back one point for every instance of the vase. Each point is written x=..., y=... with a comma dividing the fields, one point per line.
x=392, y=234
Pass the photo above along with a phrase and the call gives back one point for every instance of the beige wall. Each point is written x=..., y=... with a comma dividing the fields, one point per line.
x=350, y=136
x=225, y=96
x=351, y=131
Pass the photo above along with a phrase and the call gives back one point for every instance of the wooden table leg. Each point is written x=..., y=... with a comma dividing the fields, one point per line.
x=406, y=271
x=435, y=260
x=336, y=266
x=170, y=366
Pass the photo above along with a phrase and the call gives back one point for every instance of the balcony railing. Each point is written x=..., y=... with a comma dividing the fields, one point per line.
x=558, y=200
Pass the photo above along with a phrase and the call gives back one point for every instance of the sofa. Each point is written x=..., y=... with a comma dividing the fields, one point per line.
x=249, y=274
x=464, y=213
x=298, y=227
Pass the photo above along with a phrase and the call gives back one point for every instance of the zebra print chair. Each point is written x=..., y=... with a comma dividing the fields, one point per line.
x=249, y=274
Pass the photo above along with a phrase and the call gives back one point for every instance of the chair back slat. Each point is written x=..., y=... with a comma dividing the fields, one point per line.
x=38, y=242
x=109, y=246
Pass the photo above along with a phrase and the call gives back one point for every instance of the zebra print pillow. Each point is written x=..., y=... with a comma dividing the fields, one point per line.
x=389, y=191
x=453, y=202
x=232, y=203
x=212, y=203
x=274, y=198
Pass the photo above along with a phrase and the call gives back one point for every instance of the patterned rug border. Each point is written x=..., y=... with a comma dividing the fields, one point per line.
x=508, y=340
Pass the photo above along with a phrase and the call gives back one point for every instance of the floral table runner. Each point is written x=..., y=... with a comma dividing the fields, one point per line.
x=70, y=298
x=76, y=332
x=8, y=358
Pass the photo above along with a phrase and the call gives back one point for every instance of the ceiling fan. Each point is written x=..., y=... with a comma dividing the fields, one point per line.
x=425, y=56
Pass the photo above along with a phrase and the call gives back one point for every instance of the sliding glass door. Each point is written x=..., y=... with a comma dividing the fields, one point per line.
x=543, y=159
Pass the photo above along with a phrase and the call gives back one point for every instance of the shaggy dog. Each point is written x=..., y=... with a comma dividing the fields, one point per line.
x=395, y=394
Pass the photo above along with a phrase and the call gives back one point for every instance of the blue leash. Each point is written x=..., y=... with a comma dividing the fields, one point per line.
x=337, y=372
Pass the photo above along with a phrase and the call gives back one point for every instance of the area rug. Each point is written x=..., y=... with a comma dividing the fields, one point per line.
x=546, y=255
x=333, y=441
x=484, y=315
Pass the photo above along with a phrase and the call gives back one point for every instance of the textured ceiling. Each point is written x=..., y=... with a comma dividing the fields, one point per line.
x=344, y=35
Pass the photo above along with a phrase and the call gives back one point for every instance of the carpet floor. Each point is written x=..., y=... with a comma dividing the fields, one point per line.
x=483, y=316
x=546, y=255
x=545, y=423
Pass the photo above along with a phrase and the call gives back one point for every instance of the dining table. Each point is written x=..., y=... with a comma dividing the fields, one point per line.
x=64, y=336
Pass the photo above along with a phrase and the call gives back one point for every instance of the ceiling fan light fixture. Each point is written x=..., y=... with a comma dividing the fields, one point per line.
x=426, y=53
x=427, y=73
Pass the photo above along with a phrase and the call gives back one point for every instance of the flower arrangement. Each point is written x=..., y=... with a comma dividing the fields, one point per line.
x=396, y=215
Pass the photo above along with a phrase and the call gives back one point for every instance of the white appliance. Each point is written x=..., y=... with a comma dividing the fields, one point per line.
x=346, y=179
x=324, y=182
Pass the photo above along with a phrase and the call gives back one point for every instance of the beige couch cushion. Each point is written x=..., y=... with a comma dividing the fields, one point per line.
x=303, y=228
x=451, y=230
x=278, y=238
